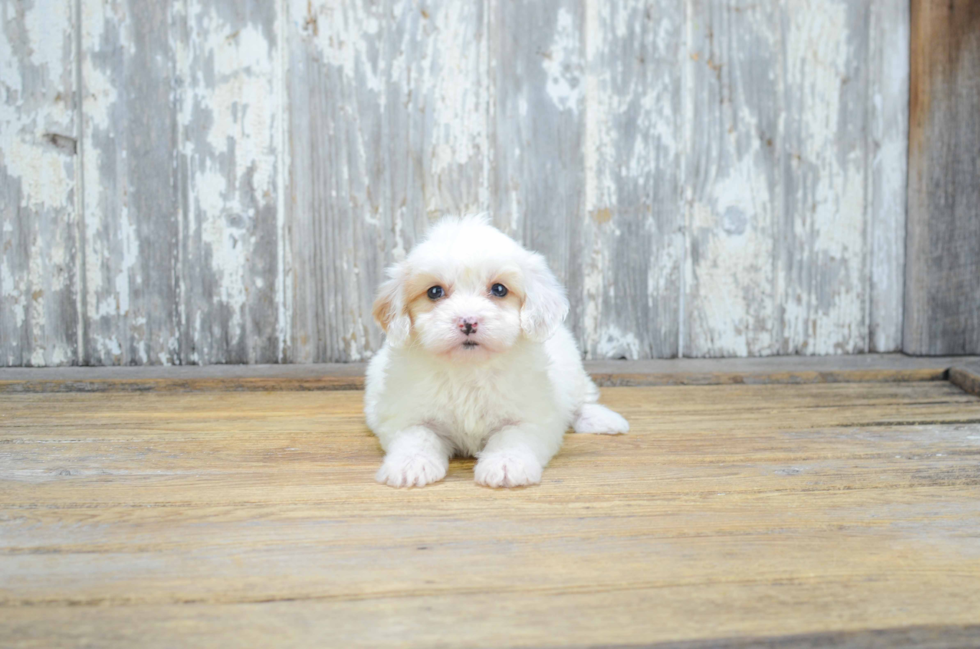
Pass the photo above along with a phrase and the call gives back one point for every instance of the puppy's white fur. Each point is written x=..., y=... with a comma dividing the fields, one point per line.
x=507, y=399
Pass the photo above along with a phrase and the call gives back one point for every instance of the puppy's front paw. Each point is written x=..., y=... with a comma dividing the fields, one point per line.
x=599, y=420
x=515, y=467
x=415, y=470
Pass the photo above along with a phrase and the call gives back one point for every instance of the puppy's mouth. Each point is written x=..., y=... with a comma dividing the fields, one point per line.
x=469, y=344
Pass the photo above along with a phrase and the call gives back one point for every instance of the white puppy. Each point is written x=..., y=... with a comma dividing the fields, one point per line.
x=477, y=362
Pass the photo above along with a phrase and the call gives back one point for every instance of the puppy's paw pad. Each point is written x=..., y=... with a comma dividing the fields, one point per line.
x=508, y=469
x=411, y=470
x=599, y=420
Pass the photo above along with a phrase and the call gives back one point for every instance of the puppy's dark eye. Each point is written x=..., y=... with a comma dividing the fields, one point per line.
x=499, y=290
x=436, y=292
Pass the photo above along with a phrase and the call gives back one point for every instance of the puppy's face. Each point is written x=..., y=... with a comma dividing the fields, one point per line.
x=465, y=312
x=469, y=292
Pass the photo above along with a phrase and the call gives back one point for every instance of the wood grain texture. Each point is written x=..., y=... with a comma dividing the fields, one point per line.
x=709, y=178
x=888, y=118
x=350, y=376
x=825, y=251
x=918, y=637
x=38, y=213
x=734, y=109
x=538, y=78
x=631, y=242
x=942, y=294
x=388, y=130
x=966, y=375
x=795, y=221
x=131, y=193
x=728, y=514
x=231, y=121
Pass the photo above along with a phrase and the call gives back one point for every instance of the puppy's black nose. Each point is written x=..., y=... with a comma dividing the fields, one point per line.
x=467, y=326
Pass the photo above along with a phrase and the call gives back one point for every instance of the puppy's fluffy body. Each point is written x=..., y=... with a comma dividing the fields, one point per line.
x=480, y=370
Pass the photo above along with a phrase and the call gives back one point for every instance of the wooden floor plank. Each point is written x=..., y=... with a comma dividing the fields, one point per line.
x=350, y=376
x=966, y=376
x=731, y=514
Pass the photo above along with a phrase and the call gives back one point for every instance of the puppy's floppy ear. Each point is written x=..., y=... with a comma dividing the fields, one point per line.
x=545, y=305
x=389, y=307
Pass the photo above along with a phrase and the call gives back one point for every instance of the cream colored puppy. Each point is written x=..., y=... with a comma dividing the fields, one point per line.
x=476, y=362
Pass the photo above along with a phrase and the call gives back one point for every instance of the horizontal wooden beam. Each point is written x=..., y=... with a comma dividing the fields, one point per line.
x=350, y=376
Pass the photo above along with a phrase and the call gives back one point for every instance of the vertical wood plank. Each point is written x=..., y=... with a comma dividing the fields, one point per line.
x=888, y=91
x=538, y=168
x=38, y=216
x=341, y=214
x=231, y=118
x=387, y=114
x=734, y=130
x=824, y=260
x=631, y=241
x=131, y=194
x=435, y=109
x=942, y=281
x=785, y=202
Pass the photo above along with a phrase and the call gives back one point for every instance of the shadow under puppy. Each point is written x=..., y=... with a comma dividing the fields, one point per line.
x=476, y=362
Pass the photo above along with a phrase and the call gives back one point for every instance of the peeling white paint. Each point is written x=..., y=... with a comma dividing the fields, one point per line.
x=889, y=88
x=45, y=180
x=631, y=161
x=424, y=69
x=284, y=286
x=13, y=292
x=832, y=219
x=36, y=165
x=341, y=32
x=733, y=306
x=48, y=24
x=457, y=103
x=562, y=63
x=130, y=248
x=240, y=103
x=615, y=343
x=38, y=313
x=233, y=94
x=10, y=76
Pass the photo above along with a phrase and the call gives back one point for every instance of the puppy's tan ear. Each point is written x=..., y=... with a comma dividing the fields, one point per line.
x=545, y=305
x=389, y=307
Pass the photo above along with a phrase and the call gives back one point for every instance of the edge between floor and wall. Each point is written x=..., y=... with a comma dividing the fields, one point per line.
x=963, y=371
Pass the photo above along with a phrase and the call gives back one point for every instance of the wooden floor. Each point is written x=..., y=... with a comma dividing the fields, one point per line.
x=843, y=514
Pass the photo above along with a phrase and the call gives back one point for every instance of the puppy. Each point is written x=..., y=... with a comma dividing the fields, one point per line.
x=476, y=362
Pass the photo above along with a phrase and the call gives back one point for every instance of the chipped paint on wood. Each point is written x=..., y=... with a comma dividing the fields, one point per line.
x=230, y=118
x=537, y=70
x=794, y=233
x=888, y=92
x=733, y=180
x=709, y=178
x=388, y=130
x=632, y=244
x=129, y=158
x=824, y=275
x=38, y=312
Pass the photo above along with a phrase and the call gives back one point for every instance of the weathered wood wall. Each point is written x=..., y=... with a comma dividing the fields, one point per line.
x=942, y=309
x=224, y=181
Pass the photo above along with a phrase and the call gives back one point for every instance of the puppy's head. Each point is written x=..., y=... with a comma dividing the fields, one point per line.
x=468, y=292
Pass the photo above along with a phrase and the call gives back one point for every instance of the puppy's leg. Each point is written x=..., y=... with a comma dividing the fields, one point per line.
x=416, y=456
x=515, y=457
x=600, y=420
